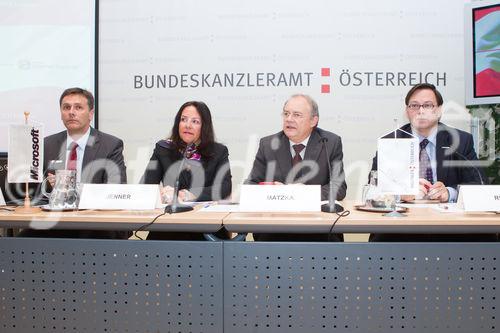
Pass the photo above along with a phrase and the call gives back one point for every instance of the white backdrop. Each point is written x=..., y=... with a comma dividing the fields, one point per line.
x=384, y=46
x=47, y=46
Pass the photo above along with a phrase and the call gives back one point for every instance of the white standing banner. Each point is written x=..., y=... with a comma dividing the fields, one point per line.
x=25, y=147
x=397, y=163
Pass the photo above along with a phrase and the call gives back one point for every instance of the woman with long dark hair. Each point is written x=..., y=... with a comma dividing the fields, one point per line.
x=206, y=175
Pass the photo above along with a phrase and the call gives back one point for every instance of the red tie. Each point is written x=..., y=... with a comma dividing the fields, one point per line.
x=71, y=165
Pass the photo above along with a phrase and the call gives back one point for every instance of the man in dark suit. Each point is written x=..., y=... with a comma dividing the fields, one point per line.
x=446, y=158
x=97, y=157
x=297, y=155
x=102, y=161
x=451, y=147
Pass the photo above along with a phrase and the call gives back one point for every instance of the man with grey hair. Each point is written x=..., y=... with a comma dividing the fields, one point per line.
x=297, y=155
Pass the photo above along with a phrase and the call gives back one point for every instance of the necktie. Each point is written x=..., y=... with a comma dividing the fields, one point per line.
x=425, y=162
x=71, y=165
x=298, y=148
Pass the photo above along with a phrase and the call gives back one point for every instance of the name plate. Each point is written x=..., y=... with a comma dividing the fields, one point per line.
x=479, y=198
x=280, y=198
x=119, y=196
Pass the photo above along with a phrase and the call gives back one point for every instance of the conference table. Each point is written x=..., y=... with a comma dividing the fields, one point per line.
x=418, y=219
x=114, y=220
x=88, y=285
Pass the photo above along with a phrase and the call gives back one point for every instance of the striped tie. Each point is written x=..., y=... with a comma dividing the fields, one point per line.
x=425, y=162
x=297, y=158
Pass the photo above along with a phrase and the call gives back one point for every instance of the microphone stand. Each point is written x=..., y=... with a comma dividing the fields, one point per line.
x=176, y=206
x=331, y=206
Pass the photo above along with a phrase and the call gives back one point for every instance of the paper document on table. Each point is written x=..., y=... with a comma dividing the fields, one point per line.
x=448, y=208
x=416, y=205
x=223, y=208
x=397, y=161
x=161, y=205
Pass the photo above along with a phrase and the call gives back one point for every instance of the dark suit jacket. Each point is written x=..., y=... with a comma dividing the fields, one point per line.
x=273, y=162
x=208, y=179
x=102, y=161
x=451, y=176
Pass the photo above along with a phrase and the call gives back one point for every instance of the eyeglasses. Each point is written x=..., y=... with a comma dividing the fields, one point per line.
x=295, y=115
x=425, y=106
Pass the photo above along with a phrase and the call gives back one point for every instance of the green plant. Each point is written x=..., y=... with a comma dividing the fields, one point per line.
x=487, y=114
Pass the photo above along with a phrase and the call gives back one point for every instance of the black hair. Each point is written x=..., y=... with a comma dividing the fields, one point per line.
x=422, y=86
x=207, y=137
x=78, y=91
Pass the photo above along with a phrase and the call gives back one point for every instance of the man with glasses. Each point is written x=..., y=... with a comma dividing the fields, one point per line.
x=439, y=145
x=297, y=155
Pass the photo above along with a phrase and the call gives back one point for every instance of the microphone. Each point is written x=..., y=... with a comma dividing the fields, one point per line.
x=175, y=206
x=463, y=157
x=331, y=206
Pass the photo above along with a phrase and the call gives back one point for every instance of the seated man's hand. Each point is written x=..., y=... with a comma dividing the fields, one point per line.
x=438, y=192
x=424, y=186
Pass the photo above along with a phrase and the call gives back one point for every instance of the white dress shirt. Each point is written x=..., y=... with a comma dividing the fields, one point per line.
x=303, y=152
